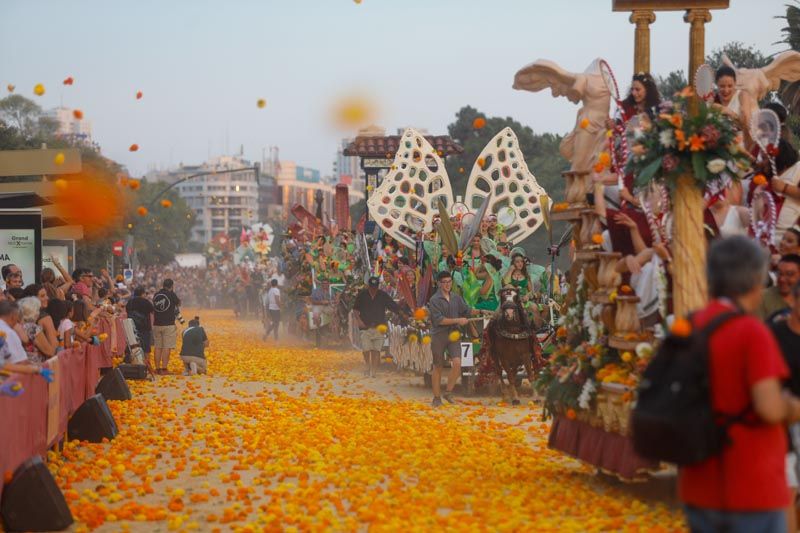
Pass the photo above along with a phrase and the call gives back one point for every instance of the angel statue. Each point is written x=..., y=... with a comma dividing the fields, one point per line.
x=581, y=145
x=759, y=81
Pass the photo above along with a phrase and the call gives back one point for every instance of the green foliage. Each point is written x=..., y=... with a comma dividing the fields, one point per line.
x=741, y=55
x=791, y=32
x=164, y=231
x=670, y=84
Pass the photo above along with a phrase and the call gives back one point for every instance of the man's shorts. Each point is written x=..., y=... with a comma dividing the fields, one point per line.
x=199, y=361
x=371, y=340
x=165, y=337
x=441, y=342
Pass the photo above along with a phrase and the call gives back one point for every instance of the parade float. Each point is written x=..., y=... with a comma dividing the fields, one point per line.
x=611, y=318
x=681, y=156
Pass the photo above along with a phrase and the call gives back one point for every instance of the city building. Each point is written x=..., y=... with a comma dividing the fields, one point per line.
x=347, y=169
x=69, y=126
x=223, y=202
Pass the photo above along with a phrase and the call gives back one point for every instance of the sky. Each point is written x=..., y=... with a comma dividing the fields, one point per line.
x=203, y=64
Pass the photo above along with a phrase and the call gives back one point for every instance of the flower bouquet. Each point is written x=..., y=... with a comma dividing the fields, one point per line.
x=676, y=142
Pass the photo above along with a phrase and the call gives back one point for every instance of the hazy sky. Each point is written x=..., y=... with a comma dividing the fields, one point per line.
x=202, y=65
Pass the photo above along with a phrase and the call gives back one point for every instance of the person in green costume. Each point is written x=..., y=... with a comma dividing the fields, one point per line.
x=487, y=272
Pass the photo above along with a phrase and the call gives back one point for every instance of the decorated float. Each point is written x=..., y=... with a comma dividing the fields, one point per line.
x=680, y=156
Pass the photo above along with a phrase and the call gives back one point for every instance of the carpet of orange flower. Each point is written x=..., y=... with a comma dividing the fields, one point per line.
x=205, y=454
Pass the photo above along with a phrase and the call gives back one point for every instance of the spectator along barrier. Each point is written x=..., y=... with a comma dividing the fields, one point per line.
x=36, y=420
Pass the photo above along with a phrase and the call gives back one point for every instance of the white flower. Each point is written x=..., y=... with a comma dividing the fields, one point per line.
x=644, y=349
x=638, y=133
x=715, y=166
x=666, y=138
x=587, y=394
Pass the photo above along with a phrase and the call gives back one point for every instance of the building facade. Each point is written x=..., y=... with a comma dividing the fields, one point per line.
x=69, y=126
x=223, y=202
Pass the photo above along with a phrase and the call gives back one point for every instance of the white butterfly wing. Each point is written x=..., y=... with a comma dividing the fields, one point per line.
x=514, y=188
x=408, y=196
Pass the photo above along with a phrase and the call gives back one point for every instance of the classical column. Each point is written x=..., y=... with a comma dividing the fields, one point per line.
x=697, y=19
x=689, y=242
x=641, y=44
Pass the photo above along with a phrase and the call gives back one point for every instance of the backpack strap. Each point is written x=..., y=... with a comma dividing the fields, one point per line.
x=742, y=417
x=704, y=333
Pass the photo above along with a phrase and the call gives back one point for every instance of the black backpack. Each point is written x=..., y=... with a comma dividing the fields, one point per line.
x=673, y=420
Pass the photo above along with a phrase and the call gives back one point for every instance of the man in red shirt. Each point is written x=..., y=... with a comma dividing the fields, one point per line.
x=744, y=488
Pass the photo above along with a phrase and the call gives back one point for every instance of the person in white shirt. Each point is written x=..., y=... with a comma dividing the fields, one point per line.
x=12, y=351
x=273, y=304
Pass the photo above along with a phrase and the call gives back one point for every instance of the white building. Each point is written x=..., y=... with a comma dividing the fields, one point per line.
x=223, y=202
x=347, y=169
x=69, y=126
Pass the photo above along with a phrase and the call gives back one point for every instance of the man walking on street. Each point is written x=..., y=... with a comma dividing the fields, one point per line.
x=141, y=310
x=165, y=333
x=787, y=333
x=370, y=312
x=273, y=305
x=448, y=310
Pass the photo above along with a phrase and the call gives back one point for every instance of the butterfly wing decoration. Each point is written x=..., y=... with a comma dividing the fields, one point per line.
x=408, y=196
x=472, y=229
x=502, y=172
x=446, y=232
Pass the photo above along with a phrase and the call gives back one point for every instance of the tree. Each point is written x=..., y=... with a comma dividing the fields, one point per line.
x=20, y=113
x=670, y=84
x=541, y=153
x=741, y=55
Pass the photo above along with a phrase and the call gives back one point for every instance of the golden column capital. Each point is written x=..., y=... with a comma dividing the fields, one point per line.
x=642, y=17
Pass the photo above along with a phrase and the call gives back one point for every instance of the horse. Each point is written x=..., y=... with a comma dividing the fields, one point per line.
x=512, y=340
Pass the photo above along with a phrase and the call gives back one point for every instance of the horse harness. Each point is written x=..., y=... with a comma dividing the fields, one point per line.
x=513, y=336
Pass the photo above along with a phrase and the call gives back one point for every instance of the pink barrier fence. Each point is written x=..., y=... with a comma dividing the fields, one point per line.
x=36, y=420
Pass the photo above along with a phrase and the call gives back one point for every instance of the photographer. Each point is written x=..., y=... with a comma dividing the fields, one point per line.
x=165, y=334
x=195, y=341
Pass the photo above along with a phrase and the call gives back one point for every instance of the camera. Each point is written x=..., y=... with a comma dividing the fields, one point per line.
x=179, y=317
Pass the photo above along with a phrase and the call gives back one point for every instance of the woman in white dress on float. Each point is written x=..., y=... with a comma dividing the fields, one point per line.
x=735, y=103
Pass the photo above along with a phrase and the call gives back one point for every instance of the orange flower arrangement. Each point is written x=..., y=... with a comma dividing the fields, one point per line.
x=481, y=161
x=571, y=414
x=479, y=123
x=133, y=148
x=676, y=120
x=626, y=289
x=597, y=238
x=584, y=123
x=134, y=184
x=560, y=206
x=420, y=313
x=760, y=180
x=166, y=203
x=598, y=168
x=141, y=211
x=139, y=95
x=77, y=113
x=696, y=143
x=680, y=136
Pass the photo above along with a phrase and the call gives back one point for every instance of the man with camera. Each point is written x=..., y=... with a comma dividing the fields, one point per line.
x=165, y=334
